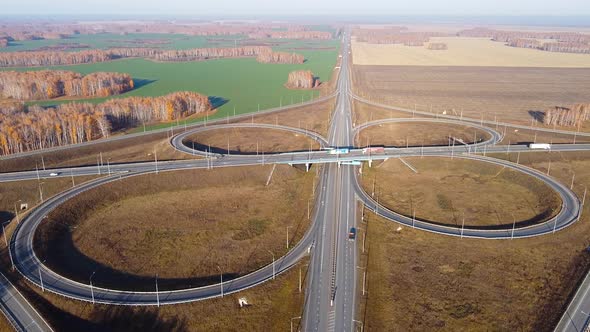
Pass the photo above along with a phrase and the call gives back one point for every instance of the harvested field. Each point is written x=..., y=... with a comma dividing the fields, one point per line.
x=419, y=134
x=179, y=225
x=481, y=52
x=422, y=281
x=507, y=94
x=250, y=141
x=443, y=192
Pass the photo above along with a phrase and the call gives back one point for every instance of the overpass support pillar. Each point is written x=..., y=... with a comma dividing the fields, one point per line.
x=307, y=165
x=370, y=162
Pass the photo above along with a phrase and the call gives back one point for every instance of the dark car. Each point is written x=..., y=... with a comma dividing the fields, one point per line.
x=352, y=233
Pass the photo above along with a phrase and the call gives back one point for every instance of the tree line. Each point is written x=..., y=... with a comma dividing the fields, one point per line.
x=567, y=116
x=395, y=35
x=566, y=42
x=30, y=128
x=291, y=34
x=3, y=42
x=53, y=58
x=48, y=84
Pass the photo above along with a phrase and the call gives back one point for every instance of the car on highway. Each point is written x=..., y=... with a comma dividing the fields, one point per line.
x=352, y=234
x=54, y=174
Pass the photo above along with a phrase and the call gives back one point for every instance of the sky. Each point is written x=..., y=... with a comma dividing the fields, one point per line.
x=297, y=7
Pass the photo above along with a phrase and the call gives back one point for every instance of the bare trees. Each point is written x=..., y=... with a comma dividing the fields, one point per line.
x=563, y=116
x=73, y=123
x=394, y=35
x=47, y=84
x=291, y=34
x=269, y=56
x=567, y=42
x=302, y=79
x=28, y=59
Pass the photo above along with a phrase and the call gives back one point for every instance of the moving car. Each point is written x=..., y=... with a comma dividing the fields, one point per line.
x=352, y=234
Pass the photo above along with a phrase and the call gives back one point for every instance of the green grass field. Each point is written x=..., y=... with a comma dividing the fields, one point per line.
x=111, y=40
x=243, y=84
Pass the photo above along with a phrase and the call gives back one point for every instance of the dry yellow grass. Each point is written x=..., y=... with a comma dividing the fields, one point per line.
x=452, y=183
x=251, y=140
x=179, y=225
x=418, y=134
x=478, y=52
x=419, y=281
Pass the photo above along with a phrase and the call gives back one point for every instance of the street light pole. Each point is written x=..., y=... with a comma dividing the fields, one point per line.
x=364, y=278
x=292, y=319
x=221, y=277
x=91, y=289
x=41, y=191
x=41, y=279
x=7, y=246
x=273, y=264
x=16, y=210
x=359, y=322
x=288, y=236
x=156, y=159
x=157, y=294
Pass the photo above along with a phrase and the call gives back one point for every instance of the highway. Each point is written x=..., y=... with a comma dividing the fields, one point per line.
x=330, y=297
x=18, y=311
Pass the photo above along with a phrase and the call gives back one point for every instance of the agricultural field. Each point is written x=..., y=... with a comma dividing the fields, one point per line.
x=507, y=94
x=422, y=281
x=178, y=225
x=472, y=52
x=241, y=83
x=113, y=40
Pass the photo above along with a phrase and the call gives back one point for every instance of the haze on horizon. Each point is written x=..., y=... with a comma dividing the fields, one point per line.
x=301, y=7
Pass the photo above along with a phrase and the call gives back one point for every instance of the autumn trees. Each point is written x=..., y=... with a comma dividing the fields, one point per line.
x=394, y=35
x=291, y=34
x=269, y=56
x=47, y=84
x=31, y=59
x=567, y=42
x=302, y=79
x=72, y=123
x=28, y=59
x=564, y=116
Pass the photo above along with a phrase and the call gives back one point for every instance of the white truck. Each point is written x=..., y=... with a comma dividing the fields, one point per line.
x=540, y=146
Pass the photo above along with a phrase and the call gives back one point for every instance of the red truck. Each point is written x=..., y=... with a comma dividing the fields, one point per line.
x=377, y=149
